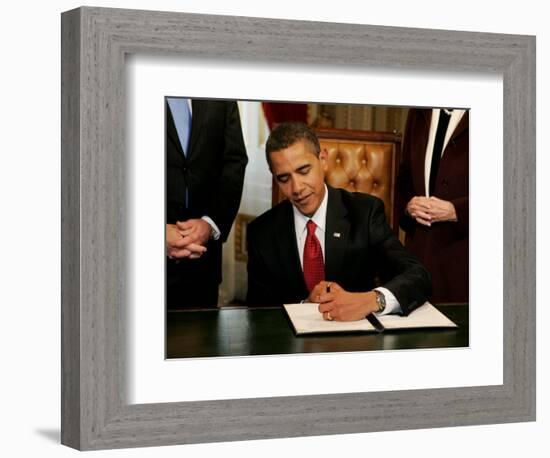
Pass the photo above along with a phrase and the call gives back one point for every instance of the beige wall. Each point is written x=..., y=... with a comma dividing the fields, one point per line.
x=360, y=117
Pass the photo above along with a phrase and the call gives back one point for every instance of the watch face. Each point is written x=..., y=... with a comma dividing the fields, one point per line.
x=381, y=301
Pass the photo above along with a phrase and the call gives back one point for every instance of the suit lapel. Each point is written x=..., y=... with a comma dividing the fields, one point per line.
x=171, y=129
x=175, y=151
x=287, y=250
x=460, y=128
x=336, y=234
x=447, y=160
x=197, y=125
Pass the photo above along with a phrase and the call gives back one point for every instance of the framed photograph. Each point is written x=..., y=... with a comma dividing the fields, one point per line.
x=359, y=151
x=103, y=355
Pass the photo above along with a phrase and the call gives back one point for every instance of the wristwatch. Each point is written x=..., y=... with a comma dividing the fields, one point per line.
x=381, y=301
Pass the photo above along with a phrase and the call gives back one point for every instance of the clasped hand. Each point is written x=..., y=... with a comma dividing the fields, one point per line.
x=187, y=239
x=428, y=210
x=341, y=305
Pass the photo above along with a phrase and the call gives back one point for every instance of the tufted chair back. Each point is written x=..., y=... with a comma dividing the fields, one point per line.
x=361, y=161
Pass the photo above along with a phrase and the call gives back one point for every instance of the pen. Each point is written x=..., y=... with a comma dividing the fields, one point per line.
x=371, y=318
x=326, y=315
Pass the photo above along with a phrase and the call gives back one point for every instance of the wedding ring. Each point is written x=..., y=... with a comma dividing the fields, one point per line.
x=328, y=317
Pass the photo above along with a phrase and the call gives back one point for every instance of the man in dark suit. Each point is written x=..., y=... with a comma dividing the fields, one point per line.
x=205, y=164
x=326, y=245
x=433, y=197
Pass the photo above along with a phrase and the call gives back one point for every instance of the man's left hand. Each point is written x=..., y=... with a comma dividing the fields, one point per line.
x=194, y=231
x=341, y=305
x=441, y=210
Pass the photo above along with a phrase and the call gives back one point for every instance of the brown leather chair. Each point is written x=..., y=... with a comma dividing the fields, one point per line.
x=361, y=161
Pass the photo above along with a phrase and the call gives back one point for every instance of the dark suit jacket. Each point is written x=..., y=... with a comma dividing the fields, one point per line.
x=366, y=248
x=443, y=247
x=212, y=172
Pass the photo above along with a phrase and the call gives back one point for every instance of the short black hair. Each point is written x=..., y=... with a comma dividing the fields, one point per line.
x=286, y=134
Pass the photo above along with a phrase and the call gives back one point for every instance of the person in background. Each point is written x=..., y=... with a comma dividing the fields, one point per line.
x=432, y=190
x=205, y=165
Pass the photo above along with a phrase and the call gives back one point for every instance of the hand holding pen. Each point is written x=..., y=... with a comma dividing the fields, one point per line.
x=335, y=303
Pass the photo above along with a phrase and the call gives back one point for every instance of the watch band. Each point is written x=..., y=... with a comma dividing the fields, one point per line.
x=381, y=301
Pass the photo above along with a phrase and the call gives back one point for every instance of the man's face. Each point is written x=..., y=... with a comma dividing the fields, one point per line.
x=300, y=175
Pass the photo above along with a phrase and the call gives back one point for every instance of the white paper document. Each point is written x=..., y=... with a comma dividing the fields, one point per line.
x=306, y=319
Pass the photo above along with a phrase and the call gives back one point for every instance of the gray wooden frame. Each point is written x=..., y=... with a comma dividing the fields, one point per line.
x=95, y=413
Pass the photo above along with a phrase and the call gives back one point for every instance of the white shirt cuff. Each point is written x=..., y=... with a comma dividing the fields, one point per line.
x=215, y=229
x=392, y=304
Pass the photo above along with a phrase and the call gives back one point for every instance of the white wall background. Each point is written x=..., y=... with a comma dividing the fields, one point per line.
x=30, y=229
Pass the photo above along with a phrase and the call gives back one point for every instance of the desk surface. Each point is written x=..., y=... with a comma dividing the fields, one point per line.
x=267, y=331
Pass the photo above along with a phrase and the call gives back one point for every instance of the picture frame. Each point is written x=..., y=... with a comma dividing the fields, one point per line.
x=95, y=412
x=241, y=224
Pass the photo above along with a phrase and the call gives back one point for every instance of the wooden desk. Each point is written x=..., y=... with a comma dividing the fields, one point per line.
x=267, y=331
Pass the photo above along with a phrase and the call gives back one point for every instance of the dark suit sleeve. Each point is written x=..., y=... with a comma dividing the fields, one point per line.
x=259, y=285
x=462, y=215
x=226, y=200
x=399, y=270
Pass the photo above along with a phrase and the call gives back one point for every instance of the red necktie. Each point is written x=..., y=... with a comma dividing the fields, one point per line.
x=314, y=267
